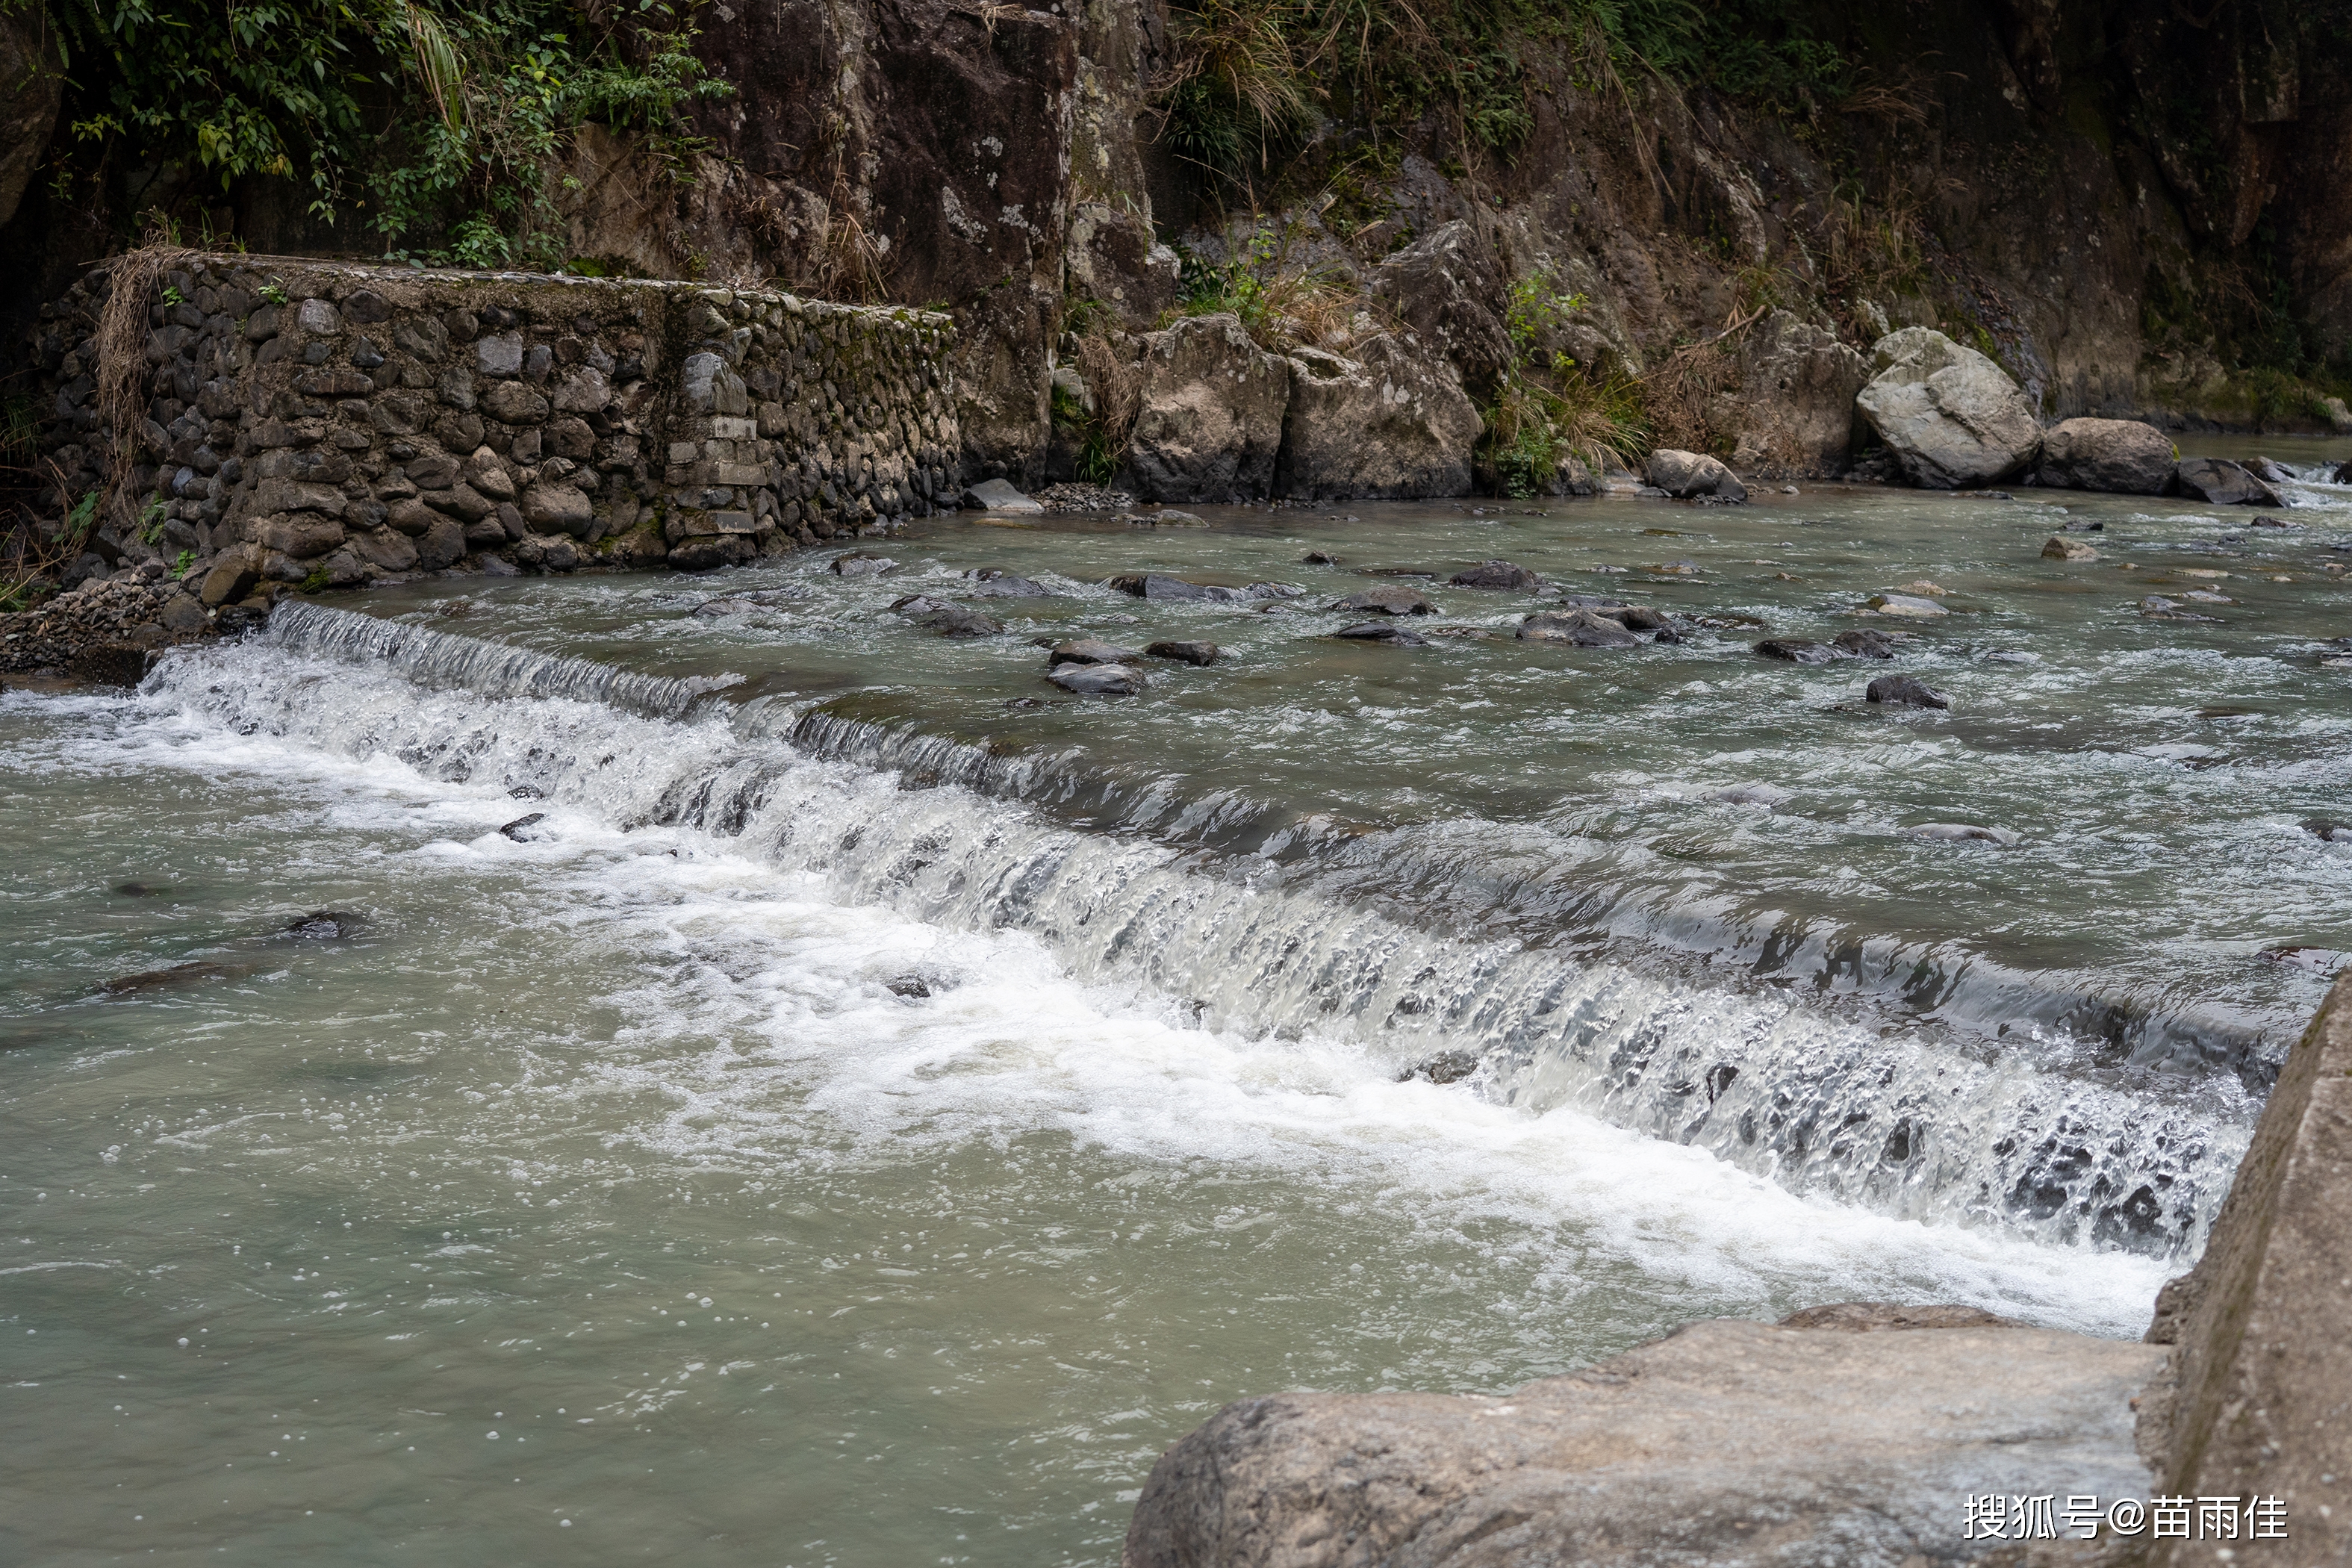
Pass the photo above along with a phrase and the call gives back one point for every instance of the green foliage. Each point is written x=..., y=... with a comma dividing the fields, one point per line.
x=20, y=430
x=1546, y=408
x=180, y=567
x=172, y=296
x=431, y=126
x=274, y=292
x=151, y=520
x=1281, y=302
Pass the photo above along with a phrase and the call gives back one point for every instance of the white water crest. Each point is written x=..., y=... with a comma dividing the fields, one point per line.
x=1908, y=1125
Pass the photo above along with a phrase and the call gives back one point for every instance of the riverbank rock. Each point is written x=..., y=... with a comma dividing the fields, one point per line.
x=1001, y=496
x=1388, y=423
x=2125, y=457
x=1797, y=386
x=1211, y=419
x=1685, y=475
x=1856, y=1435
x=1951, y=418
x=2220, y=482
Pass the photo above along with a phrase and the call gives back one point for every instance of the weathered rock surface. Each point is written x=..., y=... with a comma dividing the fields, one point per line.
x=1449, y=286
x=1211, y=419
x=1187, y=651
x=1389, y=422
x=2126, y=457
x=1797, y=386
x=1381, y=631
x=999, y=495
x=1503, y=575
x=1725, y=1442
x=1585, y=628
x=1952, y=418
x=1907, y=691
x=2223, y=483
x=1087, y=650
x=2258, y=1388
x=1159, y=585
x=1098, y=680
x=1390, y=599
x=1686, y=474
x=2058, y=547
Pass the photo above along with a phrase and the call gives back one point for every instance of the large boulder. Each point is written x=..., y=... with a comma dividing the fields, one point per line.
x=1212, y=405
x=1859, y=1435
x=2224, y=483
x=2124, y=456
x=1686, y=474
x=1797, y=386
x=1952, y=417
x=1390, y=422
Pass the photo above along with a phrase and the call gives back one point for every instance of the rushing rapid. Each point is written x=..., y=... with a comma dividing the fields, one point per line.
x=588, y=1069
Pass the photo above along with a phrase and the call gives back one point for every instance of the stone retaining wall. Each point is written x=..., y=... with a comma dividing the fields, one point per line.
x=329, y=423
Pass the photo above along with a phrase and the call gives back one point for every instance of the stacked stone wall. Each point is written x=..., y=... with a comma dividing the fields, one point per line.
x=331, y=425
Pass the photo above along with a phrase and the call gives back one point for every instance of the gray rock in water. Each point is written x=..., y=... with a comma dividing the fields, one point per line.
x=519, y=828
x=1951, y=418
x=1498, y=574
x=1390, y=599
x=2058, y=548
x=323, y=925
x=1585, y=628
x=913, y=986
x=2223, y=483
x=1159, y=585
x=1797, y=650
x=1199, y=653
x=860, y=565
x=1863, y=644
x=1166, y=516
x=2329, y=832
x=1087, y=650
x=1098, y=680
x=991, y=584
x=1683, y=475
x=1906, y=690
x=998, y=495
x=2124, y=457
x=1763, y=794
x=946, y=617
x=1854, y=1436
x=1446, y=1067
x=1381, y=631
x=1963, y=832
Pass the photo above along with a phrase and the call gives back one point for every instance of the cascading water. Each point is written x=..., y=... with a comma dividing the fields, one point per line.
x=1912, y=1123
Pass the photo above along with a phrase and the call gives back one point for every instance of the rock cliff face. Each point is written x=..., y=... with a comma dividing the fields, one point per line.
x=2133, y=210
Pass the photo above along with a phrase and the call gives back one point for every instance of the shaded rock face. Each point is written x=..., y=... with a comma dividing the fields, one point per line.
x=2122, y=456
x=1950, y=416
x=1450, y=287
x=1724, y=1442
x=1388, y=423
x=1796, y=383
x=1210, y=425
x=32, y=85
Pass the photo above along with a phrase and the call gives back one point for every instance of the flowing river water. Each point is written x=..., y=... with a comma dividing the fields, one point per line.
x=878, y=1101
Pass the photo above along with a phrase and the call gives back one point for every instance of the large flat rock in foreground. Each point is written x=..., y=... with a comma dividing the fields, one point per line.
x=1847, y=1436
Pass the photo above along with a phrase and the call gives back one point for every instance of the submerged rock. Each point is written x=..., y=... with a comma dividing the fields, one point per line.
x=989, y=583
x=1498, y=574
x=913, y=986
x=323, y=925
x=2124, y=457
x=946, y=617
x=1159, y=585
x=1798, y=651
x=860, y=565
x=1951, y=418
x=1963, y=832
x=2329, y=832
x=1863, y=643
x=1392, y=599
x=1087, y=650
x=170, y=979
x=1906, y=604
x=1098, y=680
x=1763, y=794
x=1166, y=516
x=1583, y=629
x=2058, y=548
x=1381, y=631
x=1906, y=690
x=519, y=828
x=1190, y=652
x=1446, y=1067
